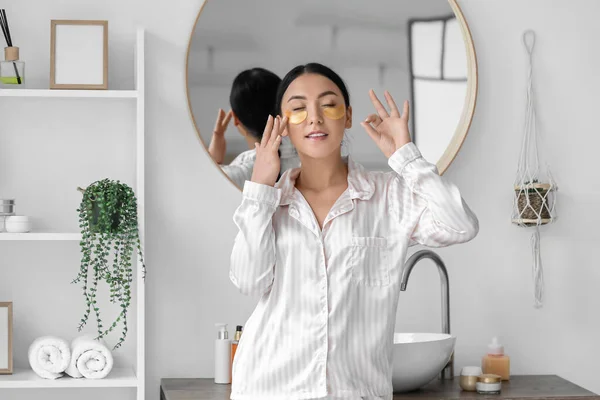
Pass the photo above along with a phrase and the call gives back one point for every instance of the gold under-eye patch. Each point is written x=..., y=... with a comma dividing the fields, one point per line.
x=336, y=112
x=297, y=117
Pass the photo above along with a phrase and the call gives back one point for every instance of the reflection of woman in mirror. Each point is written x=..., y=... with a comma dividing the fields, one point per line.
x=252, y=100
x=325, y=245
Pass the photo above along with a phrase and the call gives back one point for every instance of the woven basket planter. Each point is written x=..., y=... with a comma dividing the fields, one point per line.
x=533, y=203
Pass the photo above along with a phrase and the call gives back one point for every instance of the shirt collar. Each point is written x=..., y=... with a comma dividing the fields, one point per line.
x=359, y=186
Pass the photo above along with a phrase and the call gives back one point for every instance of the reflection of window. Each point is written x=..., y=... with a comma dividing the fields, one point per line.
x=438, y=79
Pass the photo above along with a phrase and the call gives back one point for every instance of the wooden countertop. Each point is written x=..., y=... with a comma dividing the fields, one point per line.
x=528, y=387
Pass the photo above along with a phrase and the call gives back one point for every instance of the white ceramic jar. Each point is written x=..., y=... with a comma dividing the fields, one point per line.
x=17, y=224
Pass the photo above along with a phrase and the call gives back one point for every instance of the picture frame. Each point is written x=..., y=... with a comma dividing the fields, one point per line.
x=79, y=54
x=6, y=340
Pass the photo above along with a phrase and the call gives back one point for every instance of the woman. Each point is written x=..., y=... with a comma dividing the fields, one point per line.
x=252, y=100
x=325, y=246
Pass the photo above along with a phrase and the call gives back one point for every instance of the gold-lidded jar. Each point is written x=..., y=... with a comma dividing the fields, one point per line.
x=489, y=384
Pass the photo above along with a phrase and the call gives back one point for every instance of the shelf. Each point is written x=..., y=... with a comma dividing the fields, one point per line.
x=24, y=378
x=40, y=236
x=107, y=94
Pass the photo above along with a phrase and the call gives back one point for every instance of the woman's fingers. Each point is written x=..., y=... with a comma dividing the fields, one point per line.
x=276, y=143
x=267, y=132
x=219, y=121
x=378, y=106
x=392, y=104
x=405, y=109
x=282, y=129
x=277, y=132
x=371, y=131
x=374, y=119
x=274, y=131
x=227, y=119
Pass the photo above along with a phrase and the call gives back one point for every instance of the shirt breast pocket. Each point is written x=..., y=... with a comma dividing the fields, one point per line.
x=369, y=261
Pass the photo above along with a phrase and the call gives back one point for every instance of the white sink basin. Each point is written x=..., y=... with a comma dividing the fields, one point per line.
x=419, y=358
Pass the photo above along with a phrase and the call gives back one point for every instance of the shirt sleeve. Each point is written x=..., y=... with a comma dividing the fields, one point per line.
x=238, y=173
x=253, y=255
x=429, y=202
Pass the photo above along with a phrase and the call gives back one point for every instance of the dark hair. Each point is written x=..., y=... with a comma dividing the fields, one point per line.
x=310, y=68
x=252, y=98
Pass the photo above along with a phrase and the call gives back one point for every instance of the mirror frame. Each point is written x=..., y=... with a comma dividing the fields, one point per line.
x=464, y=123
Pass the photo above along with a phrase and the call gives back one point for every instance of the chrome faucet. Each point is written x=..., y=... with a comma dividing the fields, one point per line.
x=448, y=371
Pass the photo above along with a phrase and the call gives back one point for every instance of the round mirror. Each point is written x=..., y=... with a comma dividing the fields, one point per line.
x=421, y=51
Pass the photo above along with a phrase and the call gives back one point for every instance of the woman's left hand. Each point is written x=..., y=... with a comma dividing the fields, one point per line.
x=389, y=131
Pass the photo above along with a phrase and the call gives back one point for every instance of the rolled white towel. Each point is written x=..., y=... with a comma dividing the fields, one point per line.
x=49, y=356
x=90, y=358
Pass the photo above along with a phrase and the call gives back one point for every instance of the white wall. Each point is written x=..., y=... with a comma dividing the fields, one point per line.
x=190, y=204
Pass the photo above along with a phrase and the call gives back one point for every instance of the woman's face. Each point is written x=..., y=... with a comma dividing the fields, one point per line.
x=317, y=115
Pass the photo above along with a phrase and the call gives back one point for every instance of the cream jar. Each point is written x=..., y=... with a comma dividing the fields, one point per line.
x=7, y=206
x=489, y=384
x=17, y=224
x=468, y=378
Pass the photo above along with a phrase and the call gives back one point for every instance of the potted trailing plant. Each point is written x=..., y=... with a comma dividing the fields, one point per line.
x=110, y=236
x=533, y=202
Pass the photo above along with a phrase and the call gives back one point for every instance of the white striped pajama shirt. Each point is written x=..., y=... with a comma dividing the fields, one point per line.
x=324, y=323
x=240, y=168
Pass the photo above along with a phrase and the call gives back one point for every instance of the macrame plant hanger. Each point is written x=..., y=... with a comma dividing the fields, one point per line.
x=534, y=188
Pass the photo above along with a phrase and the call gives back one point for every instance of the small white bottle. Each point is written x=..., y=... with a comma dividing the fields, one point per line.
x=222, y=355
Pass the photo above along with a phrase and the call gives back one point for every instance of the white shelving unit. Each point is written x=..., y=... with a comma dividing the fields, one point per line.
x=21, y=378
x=40, y=236
x=120, y=376
x=105, y=94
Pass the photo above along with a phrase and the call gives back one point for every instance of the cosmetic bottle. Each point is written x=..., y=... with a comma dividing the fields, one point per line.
x=495, y=361
x=234, y=344
x=222, y=355
x=12, y=70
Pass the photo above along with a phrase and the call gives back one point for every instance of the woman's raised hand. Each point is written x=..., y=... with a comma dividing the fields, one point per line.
x=388, y=130
x=267, y=163
x=218, y=144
